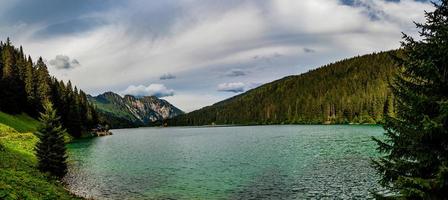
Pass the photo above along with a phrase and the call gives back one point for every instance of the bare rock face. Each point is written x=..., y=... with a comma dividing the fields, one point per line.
x=150, y=108
x=137, y=110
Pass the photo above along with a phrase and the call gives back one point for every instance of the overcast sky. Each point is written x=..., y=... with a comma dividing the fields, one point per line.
x=196, y=52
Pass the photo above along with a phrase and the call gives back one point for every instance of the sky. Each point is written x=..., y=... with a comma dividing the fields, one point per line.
x=194, y=53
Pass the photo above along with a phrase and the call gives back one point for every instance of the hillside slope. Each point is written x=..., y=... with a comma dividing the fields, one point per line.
x=130, y=111
x=19, y=179
x=352, y=90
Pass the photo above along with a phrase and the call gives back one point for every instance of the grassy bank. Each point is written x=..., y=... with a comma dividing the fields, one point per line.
x=19, y=179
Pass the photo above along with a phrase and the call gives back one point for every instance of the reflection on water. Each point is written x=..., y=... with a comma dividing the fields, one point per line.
x=254, y=162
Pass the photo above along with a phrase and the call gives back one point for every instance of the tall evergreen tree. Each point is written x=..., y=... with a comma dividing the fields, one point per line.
x=415, y=164
x=1, y=75
x=12, y=90
x=74, y=124
x=51, y=150
x=43, y=82
x=30, y=87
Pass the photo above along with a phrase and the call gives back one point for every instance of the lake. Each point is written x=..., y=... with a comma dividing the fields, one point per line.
x=248, y=162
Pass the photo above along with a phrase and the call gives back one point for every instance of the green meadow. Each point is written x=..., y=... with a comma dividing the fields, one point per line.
x=19, y=178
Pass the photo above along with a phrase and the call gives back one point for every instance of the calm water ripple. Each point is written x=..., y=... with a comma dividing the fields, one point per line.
x=253, y=162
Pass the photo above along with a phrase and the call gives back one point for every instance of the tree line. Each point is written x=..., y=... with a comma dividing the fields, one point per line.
x=26, y=86
x=353, y=90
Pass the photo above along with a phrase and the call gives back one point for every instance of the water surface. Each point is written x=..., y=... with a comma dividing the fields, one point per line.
x=251, y=162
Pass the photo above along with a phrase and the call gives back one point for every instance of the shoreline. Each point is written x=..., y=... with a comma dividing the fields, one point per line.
x=255, y=125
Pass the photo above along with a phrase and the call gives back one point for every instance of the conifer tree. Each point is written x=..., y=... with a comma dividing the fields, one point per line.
x=51, y=150
x=43, y=82
x=415, y=164
x=10, y=80
x=21, y=63
x=30, y=87
x=1, y=75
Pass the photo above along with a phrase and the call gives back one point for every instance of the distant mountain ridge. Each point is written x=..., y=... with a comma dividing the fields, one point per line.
x=131, y=111
x=353, y=90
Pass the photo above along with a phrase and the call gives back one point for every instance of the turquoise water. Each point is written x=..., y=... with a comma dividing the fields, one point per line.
x=251, y=162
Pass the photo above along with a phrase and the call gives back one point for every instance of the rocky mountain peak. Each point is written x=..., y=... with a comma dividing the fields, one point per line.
x=144, y=110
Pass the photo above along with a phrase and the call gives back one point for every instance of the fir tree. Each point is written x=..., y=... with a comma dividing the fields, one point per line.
x=43, y=82
x=51, y=150
x=1, y=75
x=30, y=87
x=12, y=90
x=415, y=164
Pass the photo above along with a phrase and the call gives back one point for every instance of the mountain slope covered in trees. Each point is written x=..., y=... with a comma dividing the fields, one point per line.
x=349, y=91
x=130, y=111
x=26, y=85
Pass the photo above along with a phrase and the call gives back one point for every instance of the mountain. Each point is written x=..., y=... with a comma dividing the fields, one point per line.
x=130, y=111
x=353, y=90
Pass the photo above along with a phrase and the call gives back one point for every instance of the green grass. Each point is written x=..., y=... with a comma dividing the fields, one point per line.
x=19, y=178
x=21, y=123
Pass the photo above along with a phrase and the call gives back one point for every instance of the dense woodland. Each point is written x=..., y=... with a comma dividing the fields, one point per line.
x=349, y=91
x=26, y=85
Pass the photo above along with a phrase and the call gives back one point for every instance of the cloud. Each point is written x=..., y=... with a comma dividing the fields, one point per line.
x=203, y=42
x=308, y=50
x=184, y=101
x=231, y=87
x=158, y=90
x=64, y=62
x=236, y=72
x=167, y=76
x=74, y=26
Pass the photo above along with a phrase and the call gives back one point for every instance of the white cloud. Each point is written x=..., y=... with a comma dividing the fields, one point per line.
x=158, y=90
x=315, y=16
x=190, y=102
x=64, y=62
x=232, y=87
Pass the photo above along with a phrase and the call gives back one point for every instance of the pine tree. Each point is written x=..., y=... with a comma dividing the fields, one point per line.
x=74, y=123
x=43, y=82
x=11, y=83
x=51, y=150
x=415, y=164
x=21, y=63
x=1, y=75
x=30, y=87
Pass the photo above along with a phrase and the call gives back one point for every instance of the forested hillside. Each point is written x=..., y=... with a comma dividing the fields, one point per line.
x=25, y=85
x=349, y=91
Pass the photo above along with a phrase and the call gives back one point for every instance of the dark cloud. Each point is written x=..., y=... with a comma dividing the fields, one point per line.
x=353, y=2
x=69, y=27
x=64, y=62
x=236, y=72
x=309, y=50
x=54, y=10
x=167, y=76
